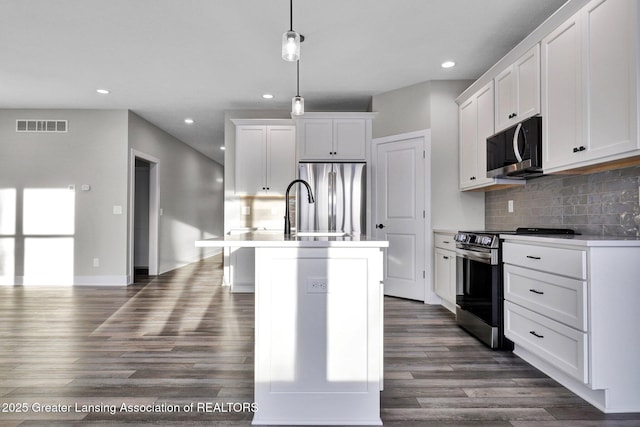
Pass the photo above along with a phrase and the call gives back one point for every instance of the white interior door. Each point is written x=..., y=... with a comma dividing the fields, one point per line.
x=400, y=215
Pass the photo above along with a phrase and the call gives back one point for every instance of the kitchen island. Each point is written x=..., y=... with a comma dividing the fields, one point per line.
x=318, y=327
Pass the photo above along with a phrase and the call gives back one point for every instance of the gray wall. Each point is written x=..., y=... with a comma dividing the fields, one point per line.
x=603, y=203
x=93, y=152
x=431, y=105
x=403, y=110
x=191, y=194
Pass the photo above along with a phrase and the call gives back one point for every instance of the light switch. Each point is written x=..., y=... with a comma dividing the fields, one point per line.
x=510, y=206
x=117, y=210
x=86, y=187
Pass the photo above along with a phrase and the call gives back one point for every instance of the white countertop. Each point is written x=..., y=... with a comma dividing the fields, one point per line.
x=276, y=239
x=585, y=240
x=445, y=231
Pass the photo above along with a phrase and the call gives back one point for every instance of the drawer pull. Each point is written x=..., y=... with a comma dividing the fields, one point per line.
x=533, y=257
x=446, y=242
x=536, y=335
x=535, y=291
x=445, y=257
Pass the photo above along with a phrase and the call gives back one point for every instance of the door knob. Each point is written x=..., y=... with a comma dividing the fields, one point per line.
x=380, y=226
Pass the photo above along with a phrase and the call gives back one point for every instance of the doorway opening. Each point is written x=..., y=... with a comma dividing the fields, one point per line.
x=141, y=219
x=144, y=216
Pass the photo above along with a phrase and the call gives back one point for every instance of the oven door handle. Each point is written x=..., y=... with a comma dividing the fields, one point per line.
x=483, y=257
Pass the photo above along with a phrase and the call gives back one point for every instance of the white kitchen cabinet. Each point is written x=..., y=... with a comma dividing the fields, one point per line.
x=476, y=124
x=589, y=87
x=445, y=269
x=334, y=136
x=571, y=311
x=517, y=90
x=265, y=159
x=242, y=269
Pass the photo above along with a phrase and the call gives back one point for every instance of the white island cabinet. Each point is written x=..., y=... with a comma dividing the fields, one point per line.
x=571, y=309
x=318, y=327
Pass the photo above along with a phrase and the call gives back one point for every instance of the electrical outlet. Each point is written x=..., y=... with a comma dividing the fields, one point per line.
x=96, y=262
x=317, y=285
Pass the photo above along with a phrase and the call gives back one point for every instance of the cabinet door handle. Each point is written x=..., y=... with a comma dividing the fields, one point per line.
x=536, y=335
x=445, y=257
x=535, y=291
x=533, y=257
x=380, y=226
x=446, y=242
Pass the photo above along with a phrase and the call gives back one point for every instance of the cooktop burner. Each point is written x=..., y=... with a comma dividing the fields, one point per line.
x=489, y=238
x=541, y=230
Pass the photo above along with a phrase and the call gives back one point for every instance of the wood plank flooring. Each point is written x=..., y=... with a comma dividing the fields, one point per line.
x=74, y=356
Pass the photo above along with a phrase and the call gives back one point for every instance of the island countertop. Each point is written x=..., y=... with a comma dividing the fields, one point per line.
x=277, y=239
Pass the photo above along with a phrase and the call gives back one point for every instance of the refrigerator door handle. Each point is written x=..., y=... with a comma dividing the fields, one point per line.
x=332, y=200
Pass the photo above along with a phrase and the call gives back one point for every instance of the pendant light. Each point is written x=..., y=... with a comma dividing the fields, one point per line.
x=297, y=103
x=291, y=40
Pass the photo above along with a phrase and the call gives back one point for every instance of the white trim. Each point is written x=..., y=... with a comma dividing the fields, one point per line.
x=430, y=296
x=85, y=281
x=154, y=211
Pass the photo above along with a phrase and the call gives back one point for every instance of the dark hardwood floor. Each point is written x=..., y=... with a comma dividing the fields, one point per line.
x=180, y=347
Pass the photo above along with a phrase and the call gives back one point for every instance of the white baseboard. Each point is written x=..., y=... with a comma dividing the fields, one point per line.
x=86, y=281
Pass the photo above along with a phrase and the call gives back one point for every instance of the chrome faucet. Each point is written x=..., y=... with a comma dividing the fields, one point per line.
x=287, y=221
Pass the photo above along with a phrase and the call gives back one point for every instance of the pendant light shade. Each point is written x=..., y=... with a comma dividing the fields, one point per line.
x=297, y=105
x=291, y=46
x=291, y=40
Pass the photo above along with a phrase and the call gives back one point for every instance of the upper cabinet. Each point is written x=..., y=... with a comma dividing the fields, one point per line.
x=265, y=159
x=589, y=87
x=517, y=90
x=334, y=136
x=579, y=70
x=476, y=124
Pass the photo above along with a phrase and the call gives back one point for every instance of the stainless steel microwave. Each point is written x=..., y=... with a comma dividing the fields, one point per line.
x=516, y=152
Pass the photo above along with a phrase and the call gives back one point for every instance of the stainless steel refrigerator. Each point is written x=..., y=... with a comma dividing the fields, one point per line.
x=340, y=194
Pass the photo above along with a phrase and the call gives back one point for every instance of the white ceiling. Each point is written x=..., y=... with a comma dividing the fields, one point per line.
x=170, y=59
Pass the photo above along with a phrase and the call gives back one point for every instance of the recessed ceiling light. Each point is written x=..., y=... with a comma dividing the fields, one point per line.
x=189, y=121
x=448, y=64
x=103, y=91
x=267, y=96
x=223, y=148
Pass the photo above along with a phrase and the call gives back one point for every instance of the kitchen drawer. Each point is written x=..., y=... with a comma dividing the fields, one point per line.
x=444, y=241
x=557, y=297
x=559, y=345
x=567, y=262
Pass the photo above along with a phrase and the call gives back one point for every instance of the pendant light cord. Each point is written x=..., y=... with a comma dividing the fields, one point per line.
x=290, y=15
x=298, y=78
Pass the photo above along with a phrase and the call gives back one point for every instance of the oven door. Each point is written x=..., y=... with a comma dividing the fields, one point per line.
x=478, y=285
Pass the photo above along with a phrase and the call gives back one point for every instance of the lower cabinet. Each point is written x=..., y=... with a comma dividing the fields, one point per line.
x=240, y=269
x=570, y=310
x=445, y=269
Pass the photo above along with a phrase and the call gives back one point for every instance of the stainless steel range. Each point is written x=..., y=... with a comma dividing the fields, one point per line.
x=479, y=293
